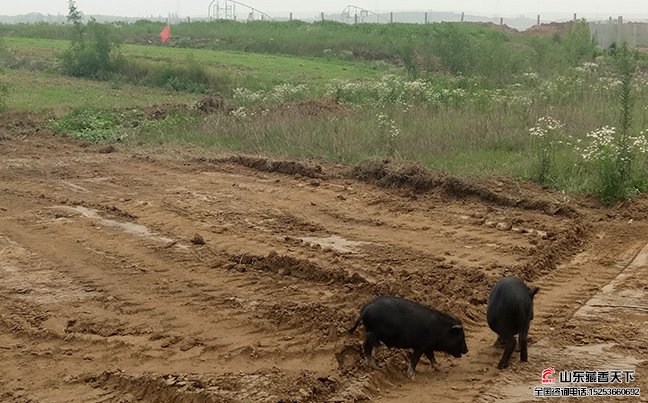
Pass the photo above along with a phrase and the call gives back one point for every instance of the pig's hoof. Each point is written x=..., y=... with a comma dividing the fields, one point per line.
x=410, y=373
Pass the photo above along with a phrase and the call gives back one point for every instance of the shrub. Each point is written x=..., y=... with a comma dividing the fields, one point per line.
x=615, y=152
x=548, y=136
x=96, y=126
x=3, y=85
x=93, y=49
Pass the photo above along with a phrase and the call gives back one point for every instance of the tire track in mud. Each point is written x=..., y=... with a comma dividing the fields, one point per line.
x=255, y=350
x=554, y=336
x=292, y=309
x=256, y=306
x=572, y=333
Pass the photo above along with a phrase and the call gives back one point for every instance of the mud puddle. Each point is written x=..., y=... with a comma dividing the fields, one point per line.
x=336, y=243
x=128, y=227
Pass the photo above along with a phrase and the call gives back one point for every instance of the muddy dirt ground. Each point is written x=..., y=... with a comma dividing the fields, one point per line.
x=157, y=274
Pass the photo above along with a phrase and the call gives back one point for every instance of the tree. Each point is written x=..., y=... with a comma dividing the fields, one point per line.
x=74, y=17
x=92, y=52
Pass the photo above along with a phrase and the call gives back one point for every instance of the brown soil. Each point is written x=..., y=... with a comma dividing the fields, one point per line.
x=295, y=168
x=549, y=28
x=206, y=104
x=129, y=277
x=492, y=25
x=313, y=107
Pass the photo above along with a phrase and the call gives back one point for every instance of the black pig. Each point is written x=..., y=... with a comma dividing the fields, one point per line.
x=400, y=323
x=510, y=311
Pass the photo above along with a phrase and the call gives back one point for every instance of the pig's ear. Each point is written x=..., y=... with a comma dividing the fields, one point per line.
x=533, y=291
x=456, y=329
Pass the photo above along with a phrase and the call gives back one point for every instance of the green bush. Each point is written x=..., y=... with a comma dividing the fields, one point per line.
x=97, y=126
x=93, y=49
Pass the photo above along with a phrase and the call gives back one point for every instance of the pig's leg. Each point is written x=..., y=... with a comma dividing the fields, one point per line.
x=370, y=342
x=433, y=361
x=509, y=346
x=416, y=356
x=524, y=339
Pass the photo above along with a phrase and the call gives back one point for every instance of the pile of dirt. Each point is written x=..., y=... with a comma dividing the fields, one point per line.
x=327, y=106
x=210, y=103
x=161, y=111
x=492, y=25
x=385, y=173
x=549, y=28
x=266, y=165
x=548, y=255
x=206, y=104
x=412, y=176
x=21, y=124
x=298, y=268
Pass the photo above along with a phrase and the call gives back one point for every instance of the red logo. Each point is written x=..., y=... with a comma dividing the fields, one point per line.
x=546, y=373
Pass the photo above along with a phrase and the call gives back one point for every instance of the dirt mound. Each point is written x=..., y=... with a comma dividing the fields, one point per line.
x=160, y=111
x=206, y=104
x=313, y=107
x=298, y=268
x=266, y=165
x=21, y=124
x=492, y=25
x=551, y=253
x=412, y=176
x=549, y=28
x=400, y=175
x=210, y=103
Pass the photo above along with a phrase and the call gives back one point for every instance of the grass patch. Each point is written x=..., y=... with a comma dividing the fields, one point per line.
x=39, y=91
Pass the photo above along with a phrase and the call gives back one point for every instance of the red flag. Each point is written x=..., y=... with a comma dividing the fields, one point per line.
x=166, y=33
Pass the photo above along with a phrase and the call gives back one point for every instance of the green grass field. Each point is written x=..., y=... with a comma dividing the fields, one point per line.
x=247, y=69
x=41, y=91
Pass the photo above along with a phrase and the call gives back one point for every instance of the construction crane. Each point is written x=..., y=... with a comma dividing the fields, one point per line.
x=226, y=10
x=355, y=14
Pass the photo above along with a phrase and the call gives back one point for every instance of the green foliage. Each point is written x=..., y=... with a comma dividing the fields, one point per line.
x=3, y=86
x=97, y=126
x=188, y=76
x=548, y=137
x=74, y=17
x=620, y=176
x=93, y=48
x=445, y=48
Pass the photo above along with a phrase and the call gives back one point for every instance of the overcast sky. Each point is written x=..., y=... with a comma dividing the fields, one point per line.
x=199, y=7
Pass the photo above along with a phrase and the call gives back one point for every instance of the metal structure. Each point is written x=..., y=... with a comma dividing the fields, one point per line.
x=354, y=14
x=226, y=10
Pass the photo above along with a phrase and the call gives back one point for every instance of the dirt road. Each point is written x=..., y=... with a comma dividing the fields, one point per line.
x=136, y=274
